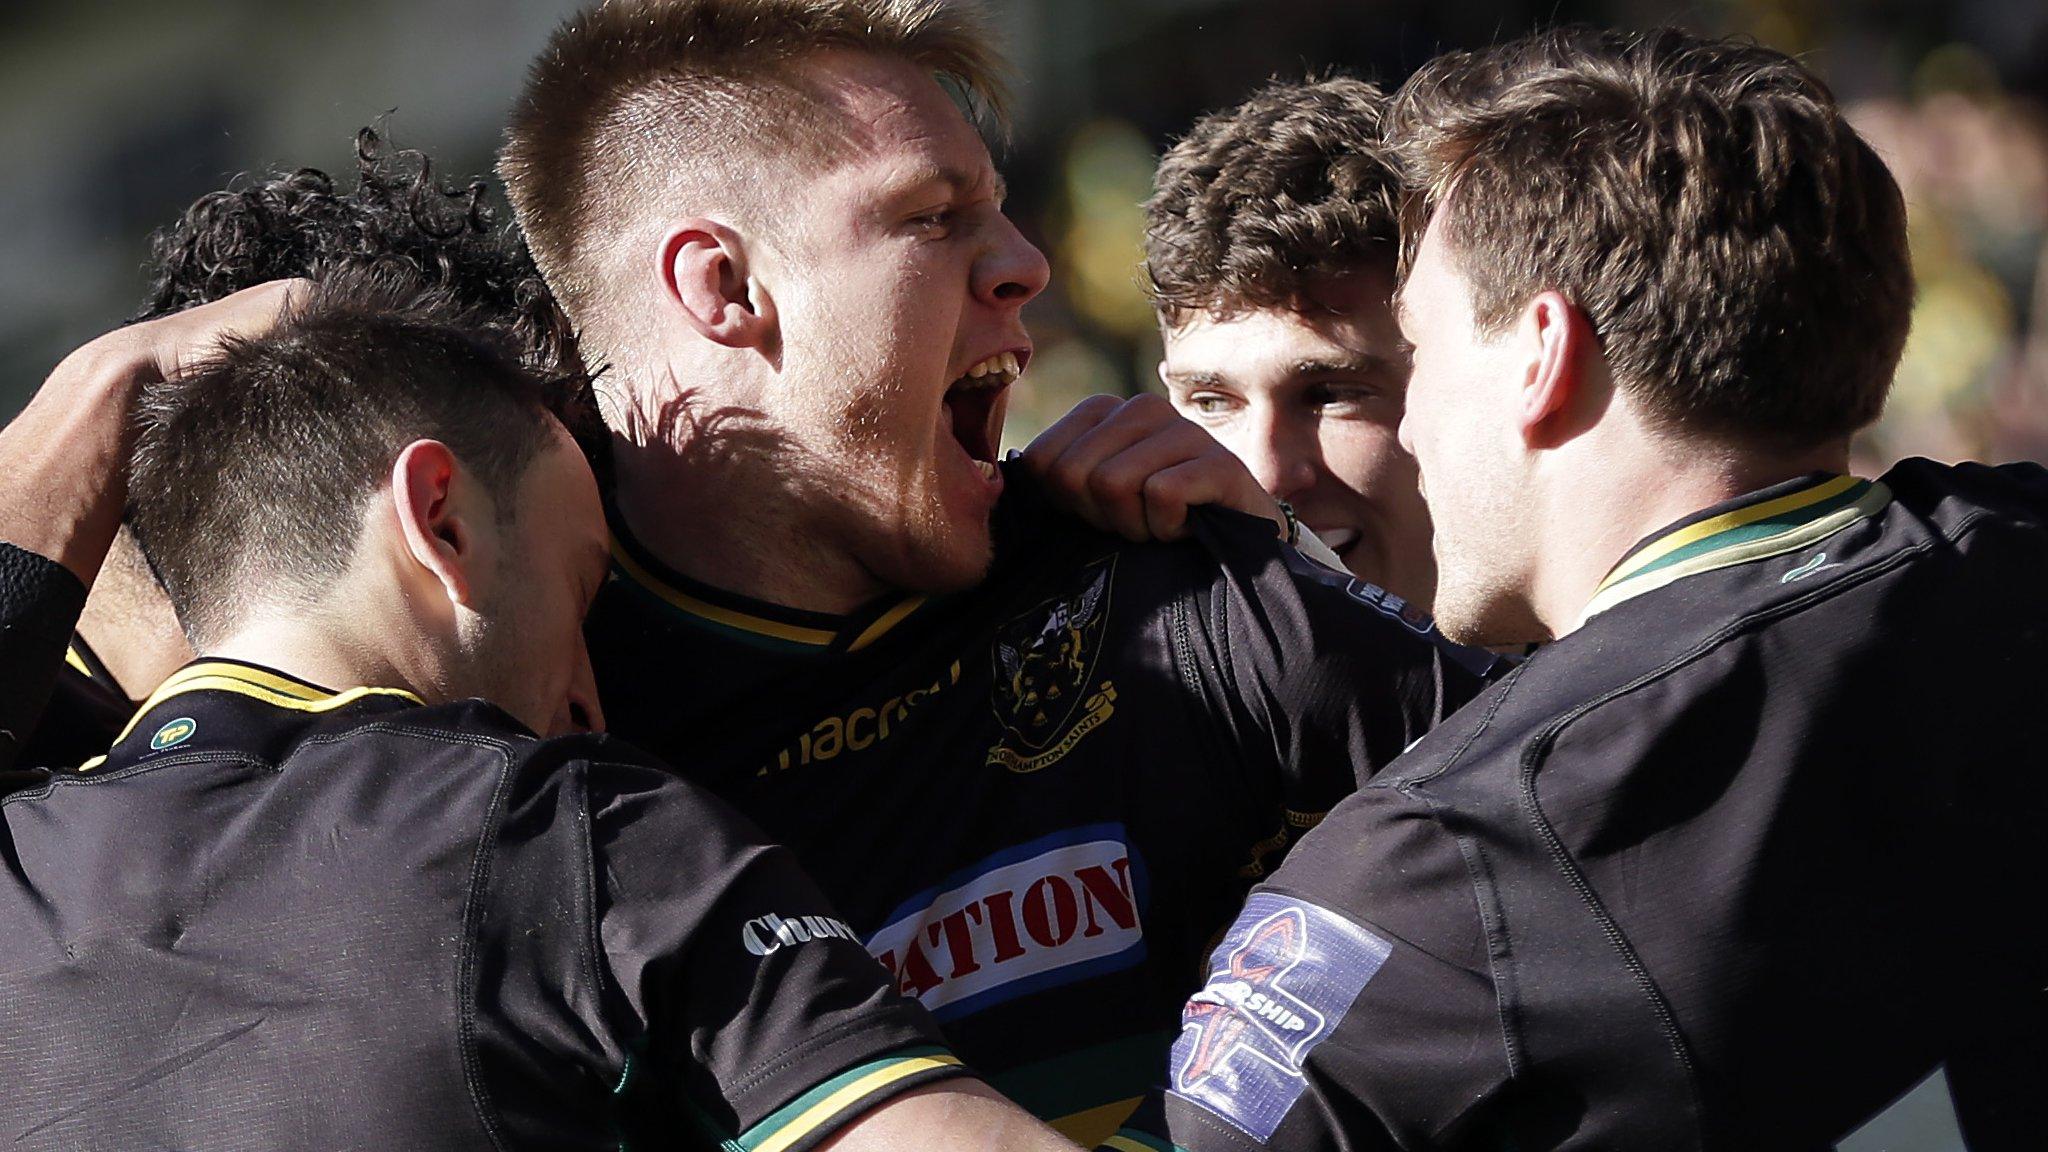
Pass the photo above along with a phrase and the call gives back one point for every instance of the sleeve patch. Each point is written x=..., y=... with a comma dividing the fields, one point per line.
x=822, y=1110
x=1278, y=985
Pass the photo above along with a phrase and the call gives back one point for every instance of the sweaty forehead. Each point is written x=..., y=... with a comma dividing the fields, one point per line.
x=891, y=118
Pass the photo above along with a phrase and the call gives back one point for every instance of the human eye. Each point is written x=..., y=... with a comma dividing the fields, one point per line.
x=1209, y=405
x=1344, y=399
x=934, y=222
x=1342, y=394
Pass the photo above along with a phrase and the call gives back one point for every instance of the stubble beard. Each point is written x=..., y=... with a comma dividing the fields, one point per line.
x=1479, y=604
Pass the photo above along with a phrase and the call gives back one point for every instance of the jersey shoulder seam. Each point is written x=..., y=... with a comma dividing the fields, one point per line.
x=467, y=975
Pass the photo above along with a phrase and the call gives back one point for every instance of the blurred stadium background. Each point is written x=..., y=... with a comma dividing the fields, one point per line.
x=116, y=114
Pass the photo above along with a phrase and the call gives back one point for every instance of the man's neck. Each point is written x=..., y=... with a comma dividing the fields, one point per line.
x=740, y=519
x=312, y=649
x=129, y=624
x=1591, y=527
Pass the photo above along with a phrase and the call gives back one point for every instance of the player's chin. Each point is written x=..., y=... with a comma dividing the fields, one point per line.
x=947, y=553
x=1473, y=610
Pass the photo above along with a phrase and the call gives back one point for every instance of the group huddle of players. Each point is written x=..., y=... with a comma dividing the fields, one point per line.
x=596, y=686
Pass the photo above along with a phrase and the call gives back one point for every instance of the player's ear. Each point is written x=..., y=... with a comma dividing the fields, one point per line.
x=1564, y=380
x=426, y=496
x=706, y=274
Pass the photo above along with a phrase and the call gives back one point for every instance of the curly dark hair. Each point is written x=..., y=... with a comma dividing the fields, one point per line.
x=1260, y=202
x=398, y=222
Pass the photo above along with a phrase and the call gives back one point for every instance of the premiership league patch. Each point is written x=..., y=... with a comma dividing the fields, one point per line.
x=1278, y=985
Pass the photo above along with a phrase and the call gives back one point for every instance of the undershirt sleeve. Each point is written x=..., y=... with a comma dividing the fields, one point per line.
x=40, y=601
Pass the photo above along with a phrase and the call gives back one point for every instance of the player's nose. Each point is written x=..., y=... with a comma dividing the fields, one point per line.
x=1276, y=454
x=1011, y=270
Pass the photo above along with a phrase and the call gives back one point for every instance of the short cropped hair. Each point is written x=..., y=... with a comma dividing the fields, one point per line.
x=629, y=95
x=1740, y=251
x=1262, y=202
x=398, y=223
x=252, y=471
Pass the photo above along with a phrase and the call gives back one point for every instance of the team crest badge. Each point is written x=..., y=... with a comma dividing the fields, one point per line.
x=172, y=734
x=1045, y=693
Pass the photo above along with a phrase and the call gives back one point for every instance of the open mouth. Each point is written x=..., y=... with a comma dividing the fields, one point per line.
x=973, y=409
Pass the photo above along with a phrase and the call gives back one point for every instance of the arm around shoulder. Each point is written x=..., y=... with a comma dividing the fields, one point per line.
x=955, y=1114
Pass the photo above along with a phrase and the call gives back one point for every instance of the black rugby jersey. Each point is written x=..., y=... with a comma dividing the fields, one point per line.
x=1734, y=865
x=1039, y=800
x=279, y=917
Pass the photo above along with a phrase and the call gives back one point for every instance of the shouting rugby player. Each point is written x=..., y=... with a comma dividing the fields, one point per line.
x=1729, y=862
x=282, y=915
x=1270, y=244
x=1037, y=784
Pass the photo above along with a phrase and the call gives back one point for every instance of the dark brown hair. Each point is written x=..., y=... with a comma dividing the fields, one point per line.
x=1740, y=251
x=251, y=471
x=398, y=223
x=1261, y=202
x=629, y=93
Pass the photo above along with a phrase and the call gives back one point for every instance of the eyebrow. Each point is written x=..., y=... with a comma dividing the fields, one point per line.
x=1196, y=379
x=1358, y=365
x=1341, y=365
x=958, y=179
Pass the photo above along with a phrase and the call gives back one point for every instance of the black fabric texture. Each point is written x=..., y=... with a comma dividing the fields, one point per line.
x=1041, y=799
x=1733, y=866
x=382, y=925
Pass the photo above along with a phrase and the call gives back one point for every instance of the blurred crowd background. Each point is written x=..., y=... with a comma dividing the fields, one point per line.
x=117, y=114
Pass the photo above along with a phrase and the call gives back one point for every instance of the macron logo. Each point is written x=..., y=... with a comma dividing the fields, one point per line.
x=1052, y=911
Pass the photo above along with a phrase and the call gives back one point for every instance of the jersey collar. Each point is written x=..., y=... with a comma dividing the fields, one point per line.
x=1771, y=522
x=755, y=622
x=203, y=682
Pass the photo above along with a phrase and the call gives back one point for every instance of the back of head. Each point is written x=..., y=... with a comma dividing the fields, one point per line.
x=398, y=220
x=1740, y=251
x=399, y=226
x=252, y=472
x=1262, y=202
x=692, y=106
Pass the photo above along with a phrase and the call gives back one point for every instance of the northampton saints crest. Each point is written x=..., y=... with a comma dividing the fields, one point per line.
x=1046, y=694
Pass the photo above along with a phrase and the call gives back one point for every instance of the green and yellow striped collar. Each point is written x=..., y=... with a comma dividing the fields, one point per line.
x=1770, y=523
x=763, y=624
x=272, y=688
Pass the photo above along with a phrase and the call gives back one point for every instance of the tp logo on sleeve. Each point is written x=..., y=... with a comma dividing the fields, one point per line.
x=1277, y=986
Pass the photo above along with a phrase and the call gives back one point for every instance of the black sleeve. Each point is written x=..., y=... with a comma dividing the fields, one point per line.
x=1351, y=1005
x=40, y=601
x=1320, y=678
x=757, y=1008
